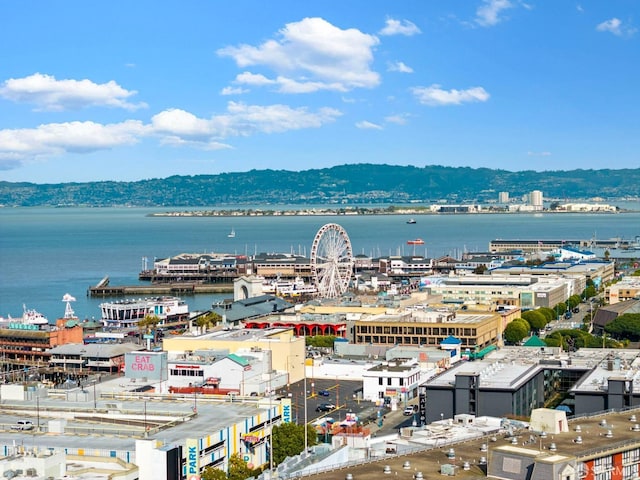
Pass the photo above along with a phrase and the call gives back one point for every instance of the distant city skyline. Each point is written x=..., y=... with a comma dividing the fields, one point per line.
x=93, y=91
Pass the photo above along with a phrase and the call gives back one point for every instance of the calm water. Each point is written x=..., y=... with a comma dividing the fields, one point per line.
x=47, y=252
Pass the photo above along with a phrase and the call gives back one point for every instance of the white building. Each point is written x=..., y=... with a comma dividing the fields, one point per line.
x=536, y=199
x=503, y=197
x=397, y=382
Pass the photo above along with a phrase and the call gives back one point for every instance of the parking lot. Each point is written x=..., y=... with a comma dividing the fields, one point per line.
x=345, y=395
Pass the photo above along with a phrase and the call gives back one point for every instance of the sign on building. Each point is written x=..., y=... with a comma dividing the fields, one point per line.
x=150, y=365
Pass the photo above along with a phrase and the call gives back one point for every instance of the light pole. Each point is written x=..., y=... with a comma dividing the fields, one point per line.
x=145, y=416
x=95, y=399
x=306, y=440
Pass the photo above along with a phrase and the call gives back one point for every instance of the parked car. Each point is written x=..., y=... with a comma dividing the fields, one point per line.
x=324, y=393
x=22, y=425
x=410, y=410
x=325, y=407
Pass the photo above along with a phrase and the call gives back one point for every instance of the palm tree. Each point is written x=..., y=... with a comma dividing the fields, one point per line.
x=207, y=320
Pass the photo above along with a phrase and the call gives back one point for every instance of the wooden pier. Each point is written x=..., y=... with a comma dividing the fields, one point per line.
x=103, y=289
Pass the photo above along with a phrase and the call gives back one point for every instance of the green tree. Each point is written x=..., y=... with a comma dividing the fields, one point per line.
x=536, y=319
x=626, y=326
x=548, y=313
x=323, y=341
x=207, y=320
x=238, y=469
x=516, y=331
x=212, y=473
x=480, y=269
x=288, y=440
x=573, y=301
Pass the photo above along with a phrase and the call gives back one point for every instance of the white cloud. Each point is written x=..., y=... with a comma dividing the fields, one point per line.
x=365, y=125
x=182, y=127
x=58, y=138
x=233, y=91
x=488, y=14
x=173, y=127
x=435, y=96
x=399, y=27
x=400, y=119
x=399, y=67
x=50, y=94
x=308, y=56
x=616, y=27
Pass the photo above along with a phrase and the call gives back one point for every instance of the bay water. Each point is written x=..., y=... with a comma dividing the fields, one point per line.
x=48, y=252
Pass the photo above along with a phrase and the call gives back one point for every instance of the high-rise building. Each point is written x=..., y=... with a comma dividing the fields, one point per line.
x=535, y=199
x=503, y=197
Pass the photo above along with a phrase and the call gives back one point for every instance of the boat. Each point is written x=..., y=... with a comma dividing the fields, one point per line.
x=29, y=317
x=411, y=221
x=232, y=233
x=127, y=313
x=417, y=241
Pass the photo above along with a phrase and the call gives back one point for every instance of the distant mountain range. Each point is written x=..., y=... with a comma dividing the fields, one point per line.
x=350, y=184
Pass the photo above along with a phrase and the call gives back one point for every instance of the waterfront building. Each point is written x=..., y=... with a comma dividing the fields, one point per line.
x=81, y=359
x=536, y=199
x=503, y=197
x=598, y=271
x=125, y=314
x=24, y=346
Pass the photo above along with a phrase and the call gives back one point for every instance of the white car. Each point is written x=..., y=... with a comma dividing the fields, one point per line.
x=409, y=411
x=22, y=425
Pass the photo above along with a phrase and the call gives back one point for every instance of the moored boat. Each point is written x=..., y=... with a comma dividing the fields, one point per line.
x=417, y=241
x=29, y=317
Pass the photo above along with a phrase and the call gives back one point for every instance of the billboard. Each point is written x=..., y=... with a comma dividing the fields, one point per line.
x=286, y=410
x=150, y=365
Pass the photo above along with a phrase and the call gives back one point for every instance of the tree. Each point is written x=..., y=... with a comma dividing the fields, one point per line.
x=325, y=341
x=625, y=326
x=207, y=320
x=480, y=269
x=548, y=313
x=238, y=469
x=536, y=319
x=516, y=331
x=288, y=440
x=212, y=473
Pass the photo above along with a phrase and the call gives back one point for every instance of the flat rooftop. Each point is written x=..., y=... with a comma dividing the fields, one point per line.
x=599, y=433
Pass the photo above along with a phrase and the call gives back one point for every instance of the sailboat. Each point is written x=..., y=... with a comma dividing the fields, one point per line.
x=232, y=233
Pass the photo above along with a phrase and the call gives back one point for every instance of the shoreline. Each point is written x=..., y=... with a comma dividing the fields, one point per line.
x=362, y=211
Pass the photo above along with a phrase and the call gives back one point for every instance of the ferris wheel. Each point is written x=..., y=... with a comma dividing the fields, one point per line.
x=331, y=260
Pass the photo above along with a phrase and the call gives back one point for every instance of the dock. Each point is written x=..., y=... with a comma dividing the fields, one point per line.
x=102, y=289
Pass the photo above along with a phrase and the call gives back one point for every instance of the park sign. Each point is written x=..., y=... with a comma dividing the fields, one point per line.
x=150, y=365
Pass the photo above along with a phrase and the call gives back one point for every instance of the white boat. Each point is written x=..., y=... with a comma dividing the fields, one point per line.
x=232, y=233
x=127, y=313
x=29, y=317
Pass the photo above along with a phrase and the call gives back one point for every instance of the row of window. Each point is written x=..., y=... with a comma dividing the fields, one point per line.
x=413, y=330
x=185, y=372
x=382, y=340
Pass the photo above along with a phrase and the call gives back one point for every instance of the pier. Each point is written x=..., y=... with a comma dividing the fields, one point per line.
x=102, y=289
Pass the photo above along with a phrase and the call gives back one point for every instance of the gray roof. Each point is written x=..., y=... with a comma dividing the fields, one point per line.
x=252, y=308
x=106, y=350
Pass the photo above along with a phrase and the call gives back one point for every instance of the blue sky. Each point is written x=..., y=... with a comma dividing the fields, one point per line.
x=114, y=90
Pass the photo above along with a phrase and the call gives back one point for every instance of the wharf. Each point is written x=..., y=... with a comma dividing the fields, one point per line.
x=104, y=290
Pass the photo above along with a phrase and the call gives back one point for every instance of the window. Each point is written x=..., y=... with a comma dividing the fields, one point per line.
x=380, y=381
x=389, y=381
